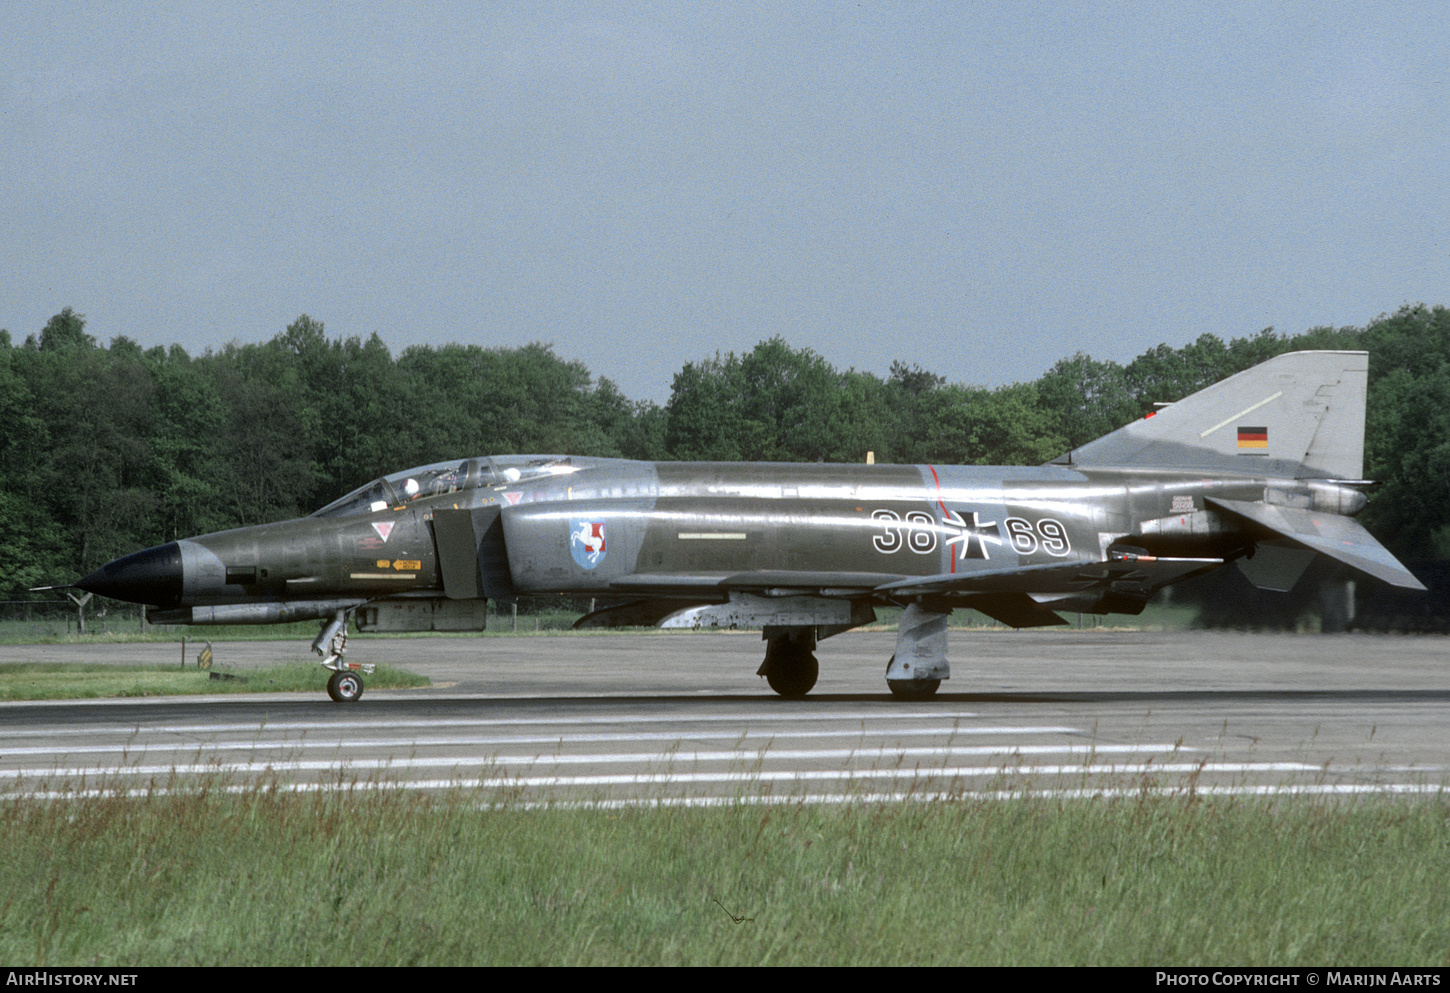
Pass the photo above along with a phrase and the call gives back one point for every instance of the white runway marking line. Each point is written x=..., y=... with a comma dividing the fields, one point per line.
x=140, y=749
x=803, y=777
x=924, y=796
x=451, y=762
x=1346, y=789
x=884, y=715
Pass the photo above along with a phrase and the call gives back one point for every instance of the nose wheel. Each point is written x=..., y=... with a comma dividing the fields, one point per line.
x=345, y=686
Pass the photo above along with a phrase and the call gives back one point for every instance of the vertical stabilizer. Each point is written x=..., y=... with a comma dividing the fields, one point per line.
x=1300, y=415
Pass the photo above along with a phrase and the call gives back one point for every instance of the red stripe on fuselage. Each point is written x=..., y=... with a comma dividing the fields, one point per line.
x=950, y=557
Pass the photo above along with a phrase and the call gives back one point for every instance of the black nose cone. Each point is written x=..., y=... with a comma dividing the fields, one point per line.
x=152, y=575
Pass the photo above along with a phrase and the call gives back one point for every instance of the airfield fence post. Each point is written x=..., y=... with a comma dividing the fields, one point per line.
x=80, y=602
x=514, y=609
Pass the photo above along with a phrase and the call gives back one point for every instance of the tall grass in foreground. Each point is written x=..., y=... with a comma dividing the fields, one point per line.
x=399, y=877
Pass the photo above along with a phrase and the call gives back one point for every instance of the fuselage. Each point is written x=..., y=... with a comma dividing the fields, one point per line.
x=583, y=526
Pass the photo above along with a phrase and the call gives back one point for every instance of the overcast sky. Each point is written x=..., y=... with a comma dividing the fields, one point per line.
x=979, y=188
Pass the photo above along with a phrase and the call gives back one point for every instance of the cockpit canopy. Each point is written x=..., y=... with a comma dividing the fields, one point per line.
x=446, y=477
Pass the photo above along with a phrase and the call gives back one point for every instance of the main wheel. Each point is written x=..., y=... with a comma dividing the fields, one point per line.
x=911, y=689
x=792, y=674
x=345, y=686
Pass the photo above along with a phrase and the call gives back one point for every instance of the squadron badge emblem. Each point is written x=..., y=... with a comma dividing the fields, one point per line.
x=586, y=543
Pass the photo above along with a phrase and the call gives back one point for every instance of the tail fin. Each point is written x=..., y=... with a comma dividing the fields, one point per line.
x=1298, y=415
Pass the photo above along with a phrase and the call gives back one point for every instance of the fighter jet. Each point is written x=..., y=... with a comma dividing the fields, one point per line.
x=1262, y=469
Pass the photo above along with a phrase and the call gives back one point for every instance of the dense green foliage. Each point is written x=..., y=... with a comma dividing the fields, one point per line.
x=107, y=449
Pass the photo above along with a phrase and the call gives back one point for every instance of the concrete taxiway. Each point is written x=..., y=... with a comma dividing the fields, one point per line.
x=682, y=718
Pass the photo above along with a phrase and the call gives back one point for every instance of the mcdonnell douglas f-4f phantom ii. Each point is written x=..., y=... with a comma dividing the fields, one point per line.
x=1262, y=469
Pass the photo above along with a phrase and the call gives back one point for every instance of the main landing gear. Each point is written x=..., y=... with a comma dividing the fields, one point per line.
x=345, y=685
x=915, y=671
x=920, y=664
x=790, y=665
x=910, y=689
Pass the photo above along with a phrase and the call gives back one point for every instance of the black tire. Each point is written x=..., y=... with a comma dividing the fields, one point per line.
x=345, y=686
x=792, y=674
x=911, y=689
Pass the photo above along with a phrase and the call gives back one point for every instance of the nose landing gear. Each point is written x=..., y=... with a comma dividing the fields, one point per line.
x=345, y=685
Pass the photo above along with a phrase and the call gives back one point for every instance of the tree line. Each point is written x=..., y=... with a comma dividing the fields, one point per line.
x=109, y=448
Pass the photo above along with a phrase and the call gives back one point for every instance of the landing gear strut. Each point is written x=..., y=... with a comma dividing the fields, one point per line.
x=920, y=664
x=790, y=665
x=345, y=684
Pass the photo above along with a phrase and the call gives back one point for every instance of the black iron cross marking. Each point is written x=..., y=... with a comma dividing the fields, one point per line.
x=974, y=534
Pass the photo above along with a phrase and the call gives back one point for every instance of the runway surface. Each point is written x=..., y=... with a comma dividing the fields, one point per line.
x=681, y=718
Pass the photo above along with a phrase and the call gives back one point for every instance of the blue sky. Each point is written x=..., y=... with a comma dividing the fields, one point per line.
x=978, y=188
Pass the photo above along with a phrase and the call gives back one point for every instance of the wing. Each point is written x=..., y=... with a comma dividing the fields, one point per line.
x=1144, y=573
x=1019, y=596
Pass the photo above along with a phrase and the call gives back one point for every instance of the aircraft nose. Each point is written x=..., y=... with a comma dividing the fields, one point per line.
x=152, y=575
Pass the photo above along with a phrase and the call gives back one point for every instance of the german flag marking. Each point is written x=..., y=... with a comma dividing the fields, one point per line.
x=1253, y=437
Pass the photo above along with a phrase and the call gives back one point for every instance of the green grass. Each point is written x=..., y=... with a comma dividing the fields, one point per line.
x=405, y=878
x=81, y=680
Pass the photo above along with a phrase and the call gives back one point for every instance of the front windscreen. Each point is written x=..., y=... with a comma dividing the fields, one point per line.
x=363, y=500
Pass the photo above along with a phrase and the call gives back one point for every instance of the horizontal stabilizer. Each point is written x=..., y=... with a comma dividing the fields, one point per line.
x=1339, y=537
x=1276, y=565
